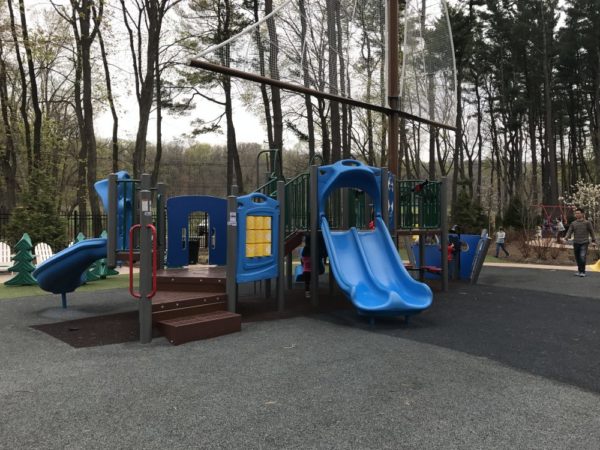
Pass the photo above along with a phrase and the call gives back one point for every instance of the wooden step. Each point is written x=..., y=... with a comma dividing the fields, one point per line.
x=201, y=326
x=211, y=279
x=188, y=311
x=169, y=300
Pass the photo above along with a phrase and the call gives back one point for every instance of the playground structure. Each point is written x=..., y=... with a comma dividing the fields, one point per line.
x=252, y=238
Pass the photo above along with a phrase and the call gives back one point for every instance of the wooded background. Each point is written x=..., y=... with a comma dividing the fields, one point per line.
x=528, y=115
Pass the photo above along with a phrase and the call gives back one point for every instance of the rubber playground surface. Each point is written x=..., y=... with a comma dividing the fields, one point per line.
x=509, y=363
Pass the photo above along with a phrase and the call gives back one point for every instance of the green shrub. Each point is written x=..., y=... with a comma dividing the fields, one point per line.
x=468, y=215
x=37, y=215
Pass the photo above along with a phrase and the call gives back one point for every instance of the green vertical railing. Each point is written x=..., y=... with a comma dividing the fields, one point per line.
x=297, y=208
x=269, y=188
x=419, y=204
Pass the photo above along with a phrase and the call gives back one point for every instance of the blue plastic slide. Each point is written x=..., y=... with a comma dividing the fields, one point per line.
x=369, y=270
x=65, y=271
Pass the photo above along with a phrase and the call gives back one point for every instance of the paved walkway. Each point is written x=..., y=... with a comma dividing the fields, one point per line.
x=497, y=365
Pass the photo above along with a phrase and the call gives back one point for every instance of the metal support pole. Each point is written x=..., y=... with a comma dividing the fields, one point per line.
x=161, y=219
x=385, y=197
x=347, y=199
x=146, y=181
x=421, y=256
x=444, y=231
x=331, y=280
x=393, y=85
x=111, y=240
x=288, y=269
x=145, y=303
x=314, y=234
x=231, y=282
x=421, y=240
x=281, y=245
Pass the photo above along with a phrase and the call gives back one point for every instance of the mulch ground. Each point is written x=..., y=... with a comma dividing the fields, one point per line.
x=123, y=327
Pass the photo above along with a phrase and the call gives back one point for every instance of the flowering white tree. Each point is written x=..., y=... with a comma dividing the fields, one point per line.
x=586, y=196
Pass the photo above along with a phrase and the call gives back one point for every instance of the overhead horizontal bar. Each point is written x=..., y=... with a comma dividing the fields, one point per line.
x=308, y=91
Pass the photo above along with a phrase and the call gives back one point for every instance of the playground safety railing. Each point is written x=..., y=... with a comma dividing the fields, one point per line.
x=297, y=207
x=269, y=188
x=297, y=210
x=419, y=204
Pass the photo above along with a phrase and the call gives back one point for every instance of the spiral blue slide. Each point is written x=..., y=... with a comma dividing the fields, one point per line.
x=65, y=271
x=366, y=264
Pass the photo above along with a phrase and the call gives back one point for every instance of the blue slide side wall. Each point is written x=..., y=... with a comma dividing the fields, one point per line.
x=64, y=272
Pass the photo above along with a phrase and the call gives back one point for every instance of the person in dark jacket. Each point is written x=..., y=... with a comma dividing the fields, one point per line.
x=581, y=230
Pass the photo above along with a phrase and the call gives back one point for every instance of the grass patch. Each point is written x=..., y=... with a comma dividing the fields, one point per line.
x=114, y=282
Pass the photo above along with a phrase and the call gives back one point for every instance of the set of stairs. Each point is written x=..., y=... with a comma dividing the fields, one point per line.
x=191, y=304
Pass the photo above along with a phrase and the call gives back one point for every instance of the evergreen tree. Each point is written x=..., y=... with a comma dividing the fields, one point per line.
x=37, y=214
x=468, y=214
x=23, y=265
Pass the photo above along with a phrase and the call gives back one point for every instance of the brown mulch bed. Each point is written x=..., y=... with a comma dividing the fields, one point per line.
x=123, y=327
x=95, y=331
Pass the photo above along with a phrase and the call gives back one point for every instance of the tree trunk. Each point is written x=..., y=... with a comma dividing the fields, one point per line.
x=111, y=104
x=334, y=107
x=325, y=142
x=158, y=156
x=551, y=196
x=345, y=139
x=8, y=161
x=306, y=80
x=275, y=92
x=89, y=138
x=263, y=86
x=36, y=148
x=457, y=141
x=23, y=79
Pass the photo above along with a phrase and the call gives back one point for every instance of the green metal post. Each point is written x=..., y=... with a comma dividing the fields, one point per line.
x=314, y=235
x=231, y=282
x=281, y=245
x=145, y=303
x=111, y=239
x=444, y=231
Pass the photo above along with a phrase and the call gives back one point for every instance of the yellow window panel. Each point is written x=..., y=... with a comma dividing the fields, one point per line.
x=251, y=222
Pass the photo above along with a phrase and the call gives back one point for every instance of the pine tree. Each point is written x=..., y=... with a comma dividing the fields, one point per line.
x=99, y=269
x=23, y=265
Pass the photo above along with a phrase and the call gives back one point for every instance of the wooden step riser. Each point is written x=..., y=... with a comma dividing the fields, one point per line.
x=203, y=299
x=199, y=285
x=177, y=335
x=189, y=311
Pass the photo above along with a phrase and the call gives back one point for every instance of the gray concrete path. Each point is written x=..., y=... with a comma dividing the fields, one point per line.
x=299, y=383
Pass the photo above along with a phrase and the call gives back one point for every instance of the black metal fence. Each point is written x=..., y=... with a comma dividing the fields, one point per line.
x=197, y=223
x=74, y=225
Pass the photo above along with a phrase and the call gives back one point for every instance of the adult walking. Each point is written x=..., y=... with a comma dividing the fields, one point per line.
x=581, y=230
x=500, y=241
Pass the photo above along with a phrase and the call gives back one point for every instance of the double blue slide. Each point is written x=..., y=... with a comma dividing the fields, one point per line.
x=367, y=267
x=366, y=264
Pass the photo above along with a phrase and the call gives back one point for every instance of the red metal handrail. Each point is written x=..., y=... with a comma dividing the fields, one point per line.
x=152, y=293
